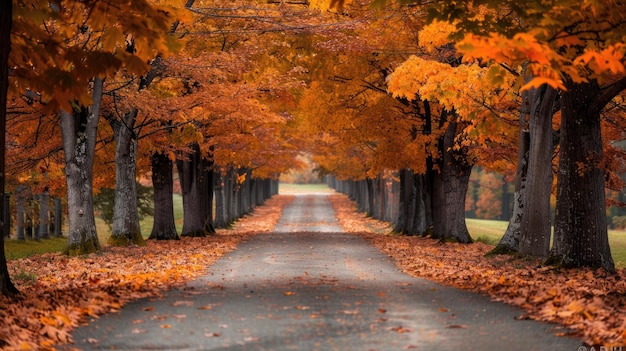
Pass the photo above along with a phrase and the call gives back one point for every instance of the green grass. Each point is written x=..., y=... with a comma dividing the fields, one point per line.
x=15, y=249
x=490, y=231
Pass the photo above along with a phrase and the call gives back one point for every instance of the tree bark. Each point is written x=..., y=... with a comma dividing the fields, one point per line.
x=58, y=218
x=407, y=202
x=197, y=188
x=44, y=216
x=580, y=228
x=449, y=189
x=125, y=228
x=22, y=192
x=164, y=225
x=79, y=128
x=536, y=221
x=422, y=219
x=6, y=21
x=221, y=205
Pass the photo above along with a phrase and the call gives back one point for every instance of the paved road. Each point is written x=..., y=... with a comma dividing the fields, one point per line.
x=307, y=286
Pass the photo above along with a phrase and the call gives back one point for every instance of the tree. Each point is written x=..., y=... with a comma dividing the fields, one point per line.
x=164, y=227
x=6, y=286
x=86, y=39
x=576, y=47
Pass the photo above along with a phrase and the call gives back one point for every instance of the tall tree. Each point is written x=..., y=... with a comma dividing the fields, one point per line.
x=79, y=128
x=85, y=39
x=6, y=286
x=577, y=47
x=164, y=227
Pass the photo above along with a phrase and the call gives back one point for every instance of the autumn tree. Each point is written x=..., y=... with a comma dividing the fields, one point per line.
x=6, y=286
x=466, y=103
x=575, y=47
x=85, y=39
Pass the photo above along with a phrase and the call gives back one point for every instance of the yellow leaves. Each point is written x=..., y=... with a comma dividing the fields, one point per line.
x=435, y=35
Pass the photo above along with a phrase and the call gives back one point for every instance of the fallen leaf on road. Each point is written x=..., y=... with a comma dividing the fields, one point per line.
x=400, y=329
x=456, y=326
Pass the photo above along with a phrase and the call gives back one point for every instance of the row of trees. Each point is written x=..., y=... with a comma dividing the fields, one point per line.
x=102, y=92
x=482, y=82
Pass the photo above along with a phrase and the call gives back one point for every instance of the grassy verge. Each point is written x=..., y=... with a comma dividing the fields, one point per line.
x=15, y=249
x=490, y=232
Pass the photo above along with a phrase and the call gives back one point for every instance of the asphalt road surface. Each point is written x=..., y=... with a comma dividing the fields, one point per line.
x=307, y=286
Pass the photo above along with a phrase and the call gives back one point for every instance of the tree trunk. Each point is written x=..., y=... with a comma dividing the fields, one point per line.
x=58, y=218
x=44, y=216
x=164, y=225
x=6, y=20
x=511, y=239
x=125, y=228
x=449, y=189
x=407, y=202
x=79, y=139
x=535, y=231
x=580, y=229
x=221, y=205
x=21, y=194
x=194, y=179
x=6, y=215
x=422, y=219
x=207, y=183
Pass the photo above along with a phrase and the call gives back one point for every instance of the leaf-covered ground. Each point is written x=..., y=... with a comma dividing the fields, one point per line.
x=591, y=303
x=58, y=292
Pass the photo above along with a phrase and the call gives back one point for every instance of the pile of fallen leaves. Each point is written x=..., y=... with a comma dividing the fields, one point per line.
x=58, y=293
x=591, y=303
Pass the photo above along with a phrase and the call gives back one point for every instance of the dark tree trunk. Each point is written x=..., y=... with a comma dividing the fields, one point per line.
x=208, y=180
x=197, y=188
x=407, y=202
x=230, y=195
x=535, y=231
x=7, y=215
x=125, y=228
x=6, y=286
x=44, y=216
x=22, y=193
x=422, y=218
x=79, y=139
x=58, y=218
x=164, y=225
x=449, y=189
x=221, y=203
x=580, y=228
